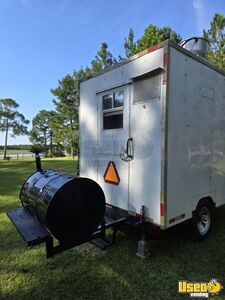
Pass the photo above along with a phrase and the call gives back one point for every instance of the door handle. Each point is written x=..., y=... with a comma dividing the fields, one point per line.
x=128, y=153
x=130, y=148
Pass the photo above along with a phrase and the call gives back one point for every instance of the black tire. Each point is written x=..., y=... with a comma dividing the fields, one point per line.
x=202, y=220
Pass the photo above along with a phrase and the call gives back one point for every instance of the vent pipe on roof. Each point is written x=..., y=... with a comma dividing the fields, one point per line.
x=196, y=45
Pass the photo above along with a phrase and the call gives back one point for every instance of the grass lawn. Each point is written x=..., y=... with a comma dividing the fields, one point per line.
x=86, y=272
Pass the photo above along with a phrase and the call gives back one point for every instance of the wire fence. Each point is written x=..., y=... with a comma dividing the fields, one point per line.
x=17, y=155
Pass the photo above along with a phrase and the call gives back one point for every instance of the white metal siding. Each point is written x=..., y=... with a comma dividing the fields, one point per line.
x=88, y=132
x=90, y=119
x=195, y=135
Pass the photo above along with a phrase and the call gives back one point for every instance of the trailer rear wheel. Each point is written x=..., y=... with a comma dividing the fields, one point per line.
x=202, y=220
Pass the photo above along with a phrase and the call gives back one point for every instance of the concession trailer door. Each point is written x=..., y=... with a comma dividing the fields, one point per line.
x=113, y=135
x=145, y=168
x=129, y=136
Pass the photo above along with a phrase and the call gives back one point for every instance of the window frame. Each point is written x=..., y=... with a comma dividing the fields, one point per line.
x=117, y=110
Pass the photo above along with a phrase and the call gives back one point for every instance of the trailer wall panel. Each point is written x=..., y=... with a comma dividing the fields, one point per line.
x=196, y=106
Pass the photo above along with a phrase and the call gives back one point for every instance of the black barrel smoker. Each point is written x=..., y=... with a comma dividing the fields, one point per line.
x=68, y=208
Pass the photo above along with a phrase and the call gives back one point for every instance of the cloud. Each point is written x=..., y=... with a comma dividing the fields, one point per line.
x=200, y=14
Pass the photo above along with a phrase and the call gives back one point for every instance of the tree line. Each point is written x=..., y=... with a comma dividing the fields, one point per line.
x=56, y=131
x=24, y=147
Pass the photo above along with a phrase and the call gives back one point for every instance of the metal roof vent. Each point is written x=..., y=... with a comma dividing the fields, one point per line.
x=196, y=45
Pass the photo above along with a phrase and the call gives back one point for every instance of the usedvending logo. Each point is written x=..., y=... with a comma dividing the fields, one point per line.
x=200, y=289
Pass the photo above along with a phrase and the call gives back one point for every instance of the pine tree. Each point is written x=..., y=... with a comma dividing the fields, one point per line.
x=11, y=120
x=216, y=38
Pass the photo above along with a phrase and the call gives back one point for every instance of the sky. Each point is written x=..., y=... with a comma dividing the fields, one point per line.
x=44, y=40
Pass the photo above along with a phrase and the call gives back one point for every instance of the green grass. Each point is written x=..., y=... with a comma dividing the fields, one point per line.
x=86, y=272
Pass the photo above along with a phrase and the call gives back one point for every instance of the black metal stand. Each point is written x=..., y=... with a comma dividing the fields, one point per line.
x=98, y=238
x=102, y=241
x=34, y=233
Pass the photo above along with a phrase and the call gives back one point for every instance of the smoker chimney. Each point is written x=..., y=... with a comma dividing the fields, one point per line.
x=196, y=45
x=38, y=162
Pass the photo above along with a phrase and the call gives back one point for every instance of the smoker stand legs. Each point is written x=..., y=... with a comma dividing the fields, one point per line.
x=98, y=238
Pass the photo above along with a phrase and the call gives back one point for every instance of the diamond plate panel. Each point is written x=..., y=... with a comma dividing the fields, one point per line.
x=147, y=89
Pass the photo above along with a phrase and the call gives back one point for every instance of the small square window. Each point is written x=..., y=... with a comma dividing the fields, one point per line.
x=107, y=101
x=112, y=106
x=118, y=99
x=113, y=120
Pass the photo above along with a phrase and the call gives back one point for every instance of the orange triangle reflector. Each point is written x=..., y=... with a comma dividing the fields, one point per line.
x=111, y=175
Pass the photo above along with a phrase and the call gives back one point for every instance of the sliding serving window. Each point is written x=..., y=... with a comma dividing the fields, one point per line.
x=112, y=107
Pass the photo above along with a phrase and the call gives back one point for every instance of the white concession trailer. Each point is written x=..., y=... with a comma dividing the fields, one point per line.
x=152, y=135
x=152, y=154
